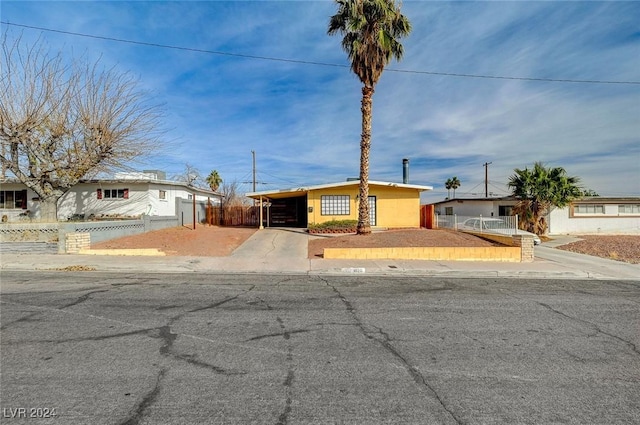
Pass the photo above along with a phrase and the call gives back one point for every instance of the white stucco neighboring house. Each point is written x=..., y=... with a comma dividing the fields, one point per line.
x=589, y=215
x=126, y=194
x=597, y=215
x=474, y=207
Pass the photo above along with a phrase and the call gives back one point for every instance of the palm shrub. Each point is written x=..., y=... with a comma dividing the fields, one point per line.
x=538, y=190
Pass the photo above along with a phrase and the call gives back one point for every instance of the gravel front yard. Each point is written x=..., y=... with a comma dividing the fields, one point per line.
x=619, y=247
x=217, y=241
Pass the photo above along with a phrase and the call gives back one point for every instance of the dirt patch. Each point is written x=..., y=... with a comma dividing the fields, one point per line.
x=397, y=239
x=204, y=241
x=619, y=247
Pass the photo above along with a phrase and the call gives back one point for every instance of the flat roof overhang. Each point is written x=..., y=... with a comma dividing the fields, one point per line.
x=303, y=190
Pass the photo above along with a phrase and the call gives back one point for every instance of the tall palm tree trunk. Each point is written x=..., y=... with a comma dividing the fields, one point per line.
x=364, y=225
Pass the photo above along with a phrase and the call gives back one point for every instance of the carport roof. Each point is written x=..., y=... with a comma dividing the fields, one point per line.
x=303, y=190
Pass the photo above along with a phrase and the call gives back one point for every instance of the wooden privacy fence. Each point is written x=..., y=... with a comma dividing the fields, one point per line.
x=233, y=216
x=427, y=216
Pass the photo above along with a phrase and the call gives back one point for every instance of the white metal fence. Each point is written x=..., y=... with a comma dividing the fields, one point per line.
x=507, y=225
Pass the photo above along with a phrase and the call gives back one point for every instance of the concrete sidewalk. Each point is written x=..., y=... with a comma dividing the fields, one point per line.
x=285, y=251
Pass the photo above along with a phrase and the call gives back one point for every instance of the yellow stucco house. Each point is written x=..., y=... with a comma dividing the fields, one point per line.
x=391, y=205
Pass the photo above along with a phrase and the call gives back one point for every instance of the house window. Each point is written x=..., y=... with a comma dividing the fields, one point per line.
x=335, y=205
x=162, y=195
x=588, y=209
x=13, y=199
x=372, y=210
x=505, y=210
x=448, y=210
x=113, y=193
x=629, y=209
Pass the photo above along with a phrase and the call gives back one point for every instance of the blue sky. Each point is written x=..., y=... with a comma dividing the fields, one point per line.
x=303, y=119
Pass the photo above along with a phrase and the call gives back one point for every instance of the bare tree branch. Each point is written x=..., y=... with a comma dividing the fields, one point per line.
x=191, y=176
x=62, y=121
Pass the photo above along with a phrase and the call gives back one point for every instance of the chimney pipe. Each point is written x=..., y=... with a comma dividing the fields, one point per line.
x=405, y=171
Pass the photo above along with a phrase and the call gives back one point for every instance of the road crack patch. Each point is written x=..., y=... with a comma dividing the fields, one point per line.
x=219, y=303
x=83, y=298
x=286, y=334
x=383, y=339
x=169, y=338
x=146, y=401
x=25, y=318
x=283, y=419
x=191, y=359
x=595, y=327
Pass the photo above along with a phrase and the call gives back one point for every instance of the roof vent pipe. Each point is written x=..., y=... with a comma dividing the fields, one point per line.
x=405, y=171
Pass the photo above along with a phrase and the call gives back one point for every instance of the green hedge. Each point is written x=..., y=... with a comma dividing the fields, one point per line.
x=335, y=224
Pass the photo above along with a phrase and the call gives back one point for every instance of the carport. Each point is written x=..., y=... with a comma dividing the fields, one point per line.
x=283, y=208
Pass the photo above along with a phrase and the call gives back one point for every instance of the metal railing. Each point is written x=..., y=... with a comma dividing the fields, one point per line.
x=507, y=225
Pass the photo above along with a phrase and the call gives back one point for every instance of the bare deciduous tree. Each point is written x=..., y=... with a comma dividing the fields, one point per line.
x=231, y=196
x=63, y=121
x=191, y=176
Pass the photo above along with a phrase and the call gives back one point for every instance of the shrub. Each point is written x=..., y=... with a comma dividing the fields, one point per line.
x=335, y=225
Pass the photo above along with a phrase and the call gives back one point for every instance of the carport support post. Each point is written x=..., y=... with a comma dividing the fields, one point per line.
x=261, y=225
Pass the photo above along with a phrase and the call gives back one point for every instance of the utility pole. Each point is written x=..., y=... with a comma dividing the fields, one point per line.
x=253, y=154
x=486, y=178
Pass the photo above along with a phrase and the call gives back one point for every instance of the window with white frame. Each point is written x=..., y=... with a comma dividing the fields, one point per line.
x=162, y=195
x=335, y=205
x=588, y=209
x=629, y=209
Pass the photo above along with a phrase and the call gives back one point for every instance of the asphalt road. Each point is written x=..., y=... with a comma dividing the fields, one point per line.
x=99, y=348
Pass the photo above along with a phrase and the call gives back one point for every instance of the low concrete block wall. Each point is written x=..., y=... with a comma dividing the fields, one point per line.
x=99, y=230
x=29, y=232
x=526, y=244
x=104, y=230
x=504, y=240
x=74, y=242
x=143, y=252
x=492, y=253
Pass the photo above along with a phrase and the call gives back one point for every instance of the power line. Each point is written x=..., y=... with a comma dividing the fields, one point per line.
x=497, y=77
x=167, y=46
x=304, y=62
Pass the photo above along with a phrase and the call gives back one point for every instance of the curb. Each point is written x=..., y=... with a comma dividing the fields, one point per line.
x=144, y=252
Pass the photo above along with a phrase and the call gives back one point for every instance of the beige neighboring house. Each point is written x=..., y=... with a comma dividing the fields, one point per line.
x=126, y=195
x=591, y=215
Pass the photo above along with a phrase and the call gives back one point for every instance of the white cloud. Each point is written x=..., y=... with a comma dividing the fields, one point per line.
x=304, y=120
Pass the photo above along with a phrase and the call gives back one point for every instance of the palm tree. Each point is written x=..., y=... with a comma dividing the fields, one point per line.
x=538, y=190
x=448, y=185
x=371, y=30
x=455, y=183
x=214, y=180
x=589, y=193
